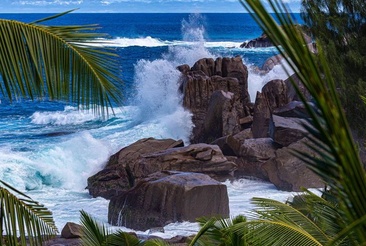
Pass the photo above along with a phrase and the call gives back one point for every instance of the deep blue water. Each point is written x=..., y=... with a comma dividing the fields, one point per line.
x=219, y=28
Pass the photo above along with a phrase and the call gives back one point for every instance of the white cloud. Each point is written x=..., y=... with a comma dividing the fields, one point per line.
x=48, y=2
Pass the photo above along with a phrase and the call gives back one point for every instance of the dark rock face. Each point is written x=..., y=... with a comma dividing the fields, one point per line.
x=167, y=197
x=229, y=145
x=200, y=158
x=291, y=90
x=109, y=182
x=261, y=118
x=271, y=62
x=261, y=42
x=274, y=95
x=147, y=156
x=71, y=230
x=253, y=154
x=198, y=85
x=117, y=176
x=289, y=173
x=286, y=131
x=222, y=118
x=294, y=109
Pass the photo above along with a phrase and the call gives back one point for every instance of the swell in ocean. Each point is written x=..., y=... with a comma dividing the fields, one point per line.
x=49, y=154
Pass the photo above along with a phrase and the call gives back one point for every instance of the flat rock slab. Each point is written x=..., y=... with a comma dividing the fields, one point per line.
x=166, y=197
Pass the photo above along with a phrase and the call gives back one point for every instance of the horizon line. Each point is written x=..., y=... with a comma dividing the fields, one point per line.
x=137, y=13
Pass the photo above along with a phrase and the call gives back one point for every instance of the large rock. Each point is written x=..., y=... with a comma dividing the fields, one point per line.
x=117, y=176
x=201, y=158
x=110, y=182
x=222, y=117
x=289, y=173
x=291, y=92
x=229, y=145
x=274, y=95
x=275, y=92
x=143, y=146
x=203, y=79
x=168, y=197
x=271, y=62
x=261, y=117
x=286, y=131
x=253, y=154
x=294, y=109
x=261, y=42
x=72, y=230
x=147, y=156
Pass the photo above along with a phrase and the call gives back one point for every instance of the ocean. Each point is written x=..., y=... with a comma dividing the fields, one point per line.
x=48, y=149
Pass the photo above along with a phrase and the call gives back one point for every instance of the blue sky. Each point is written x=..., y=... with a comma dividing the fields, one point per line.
x=128, y=6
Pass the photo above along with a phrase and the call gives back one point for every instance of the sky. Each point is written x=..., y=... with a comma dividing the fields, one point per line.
x=129, y=6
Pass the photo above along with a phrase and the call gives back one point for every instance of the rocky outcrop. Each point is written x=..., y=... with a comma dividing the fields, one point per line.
x=167, y=197
x=291, y=92
x=274, y=95
x=253, y=154
x=271, y=62
x=285, y=131
x=147, y=156
x=200, y=158
x=294, y=109
x=229, y=145
x=289, y=173
x=261, y=42
x=72, y=230
x=261, y=117
x=116, y=175
x=222, y=117
x=199, y=85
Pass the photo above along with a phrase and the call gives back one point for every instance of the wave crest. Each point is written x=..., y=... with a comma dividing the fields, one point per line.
x=70, y=116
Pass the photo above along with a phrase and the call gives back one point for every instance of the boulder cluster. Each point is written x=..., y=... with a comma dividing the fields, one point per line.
x=153, y=182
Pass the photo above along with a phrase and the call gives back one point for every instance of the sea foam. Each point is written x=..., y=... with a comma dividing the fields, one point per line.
x=69, y=116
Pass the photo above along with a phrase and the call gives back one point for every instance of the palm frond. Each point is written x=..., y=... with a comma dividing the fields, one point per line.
x=156, y=242
x=217, y=231
x=94, y=234
x=59, y=62
x=281, y=213
x=323, y=211
x=342, y=170
x=269, y=233
x=206, y=225
x=52, y=17
x=123, y=238
x=24, y=217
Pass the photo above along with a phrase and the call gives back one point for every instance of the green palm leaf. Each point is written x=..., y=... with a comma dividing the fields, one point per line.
x=58, y=62
x=217, y=231
x=21, y=217
x=341, y=167
x=94, y=234
x=323, y=211
x=273, y=213
x=120, y=238
x=271, y=233
x=155, y=242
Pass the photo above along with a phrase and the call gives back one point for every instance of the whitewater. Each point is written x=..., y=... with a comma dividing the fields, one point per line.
x=49, y=154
